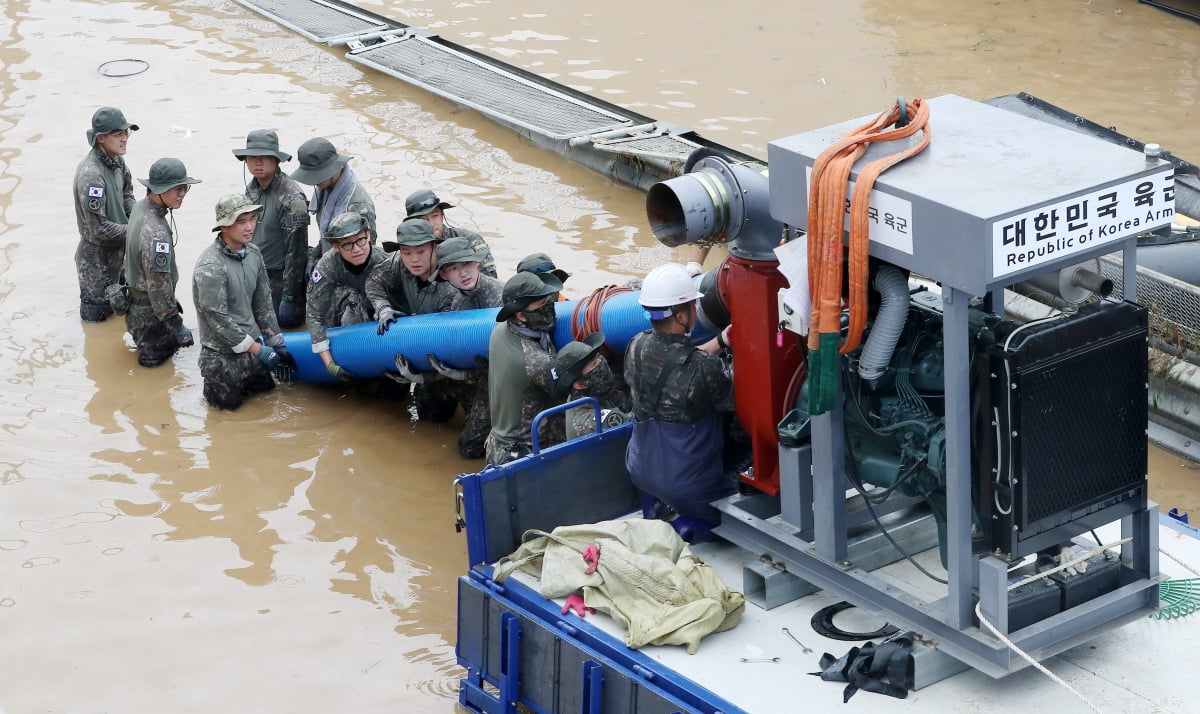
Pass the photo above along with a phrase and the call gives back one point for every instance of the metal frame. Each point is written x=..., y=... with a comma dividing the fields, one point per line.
x=819, y=553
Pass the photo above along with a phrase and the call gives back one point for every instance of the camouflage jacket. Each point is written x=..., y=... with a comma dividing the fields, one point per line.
x=360, y=202
x=233, y=299
x=582, y=420
x=697, y=381
x=103, y=193
x=519, y=385
x=282, y=231
x=150, y=258
x=333, y=272
x=489, y=292
x=391, y=285
x=487, y=266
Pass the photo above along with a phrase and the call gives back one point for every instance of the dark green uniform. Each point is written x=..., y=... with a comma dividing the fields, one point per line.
x=152, y=275
x=519, y=386
x=337, y=295
x=282, y=235
x=103, y=197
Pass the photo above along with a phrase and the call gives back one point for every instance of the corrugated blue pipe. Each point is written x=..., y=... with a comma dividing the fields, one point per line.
x=454, y=337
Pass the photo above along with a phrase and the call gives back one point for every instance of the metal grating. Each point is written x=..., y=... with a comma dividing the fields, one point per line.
x=1174, y=305
x=492, y=91
x=316, y=20
x=665, y=146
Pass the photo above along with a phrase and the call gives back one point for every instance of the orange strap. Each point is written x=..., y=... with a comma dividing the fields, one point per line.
x=826, y=211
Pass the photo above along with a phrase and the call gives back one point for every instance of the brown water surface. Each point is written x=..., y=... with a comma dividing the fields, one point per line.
x=299, y=555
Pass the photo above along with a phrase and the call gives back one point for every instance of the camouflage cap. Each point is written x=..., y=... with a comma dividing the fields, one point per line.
x=344, y=225
x=457, y=250
x=166, y=174
x=262, y=142
x=423, y=202
x=106, y=120
x=525, y=288
x=418, y=232
x=541, y=263
x=230, y=207
x=571, y=359
x=319, y=161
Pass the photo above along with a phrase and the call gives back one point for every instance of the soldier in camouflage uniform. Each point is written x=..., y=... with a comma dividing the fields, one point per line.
x=282, y=233
x=337, y=189
x=154, y=318
x=679, y=392
x=337, y=290
x=233, y=299
x=406, y=284
x=458, y=265
x=580, y=370
x=425, y=204
x=103, y=193
x=521, y=353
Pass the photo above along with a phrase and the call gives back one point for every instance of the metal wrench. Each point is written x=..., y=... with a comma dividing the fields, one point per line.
x=807, y=650
x=759, y=659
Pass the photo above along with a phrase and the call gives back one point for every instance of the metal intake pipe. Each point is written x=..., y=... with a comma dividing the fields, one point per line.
x=718, y=201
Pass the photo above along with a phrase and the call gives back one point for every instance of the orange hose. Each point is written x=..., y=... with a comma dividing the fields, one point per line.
x=827, y=206
x=590, y=308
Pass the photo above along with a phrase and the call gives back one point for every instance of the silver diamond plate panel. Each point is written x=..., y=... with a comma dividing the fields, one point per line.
x=505, y=96
x=665, y=146
x=315, y=20
x=1174, y=305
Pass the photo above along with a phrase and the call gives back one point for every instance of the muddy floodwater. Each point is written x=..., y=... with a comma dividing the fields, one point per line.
x=299, y=555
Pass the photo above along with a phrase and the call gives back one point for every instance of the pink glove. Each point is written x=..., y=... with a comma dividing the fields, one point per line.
x=591, y=555
x=575, y=602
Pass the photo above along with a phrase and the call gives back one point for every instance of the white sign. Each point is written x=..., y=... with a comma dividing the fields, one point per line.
x=1083, y=222
x=889, y=219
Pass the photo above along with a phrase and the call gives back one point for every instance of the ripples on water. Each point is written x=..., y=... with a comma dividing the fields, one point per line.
x=299, y=554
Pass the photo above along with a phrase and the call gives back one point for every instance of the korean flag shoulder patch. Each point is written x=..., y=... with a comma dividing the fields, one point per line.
x=95, y=191
x=316, y=276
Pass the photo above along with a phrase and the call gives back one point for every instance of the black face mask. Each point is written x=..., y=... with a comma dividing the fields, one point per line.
x=599, y=381
x=542, y=319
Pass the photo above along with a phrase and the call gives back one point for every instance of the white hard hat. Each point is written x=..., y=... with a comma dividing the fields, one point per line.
x=667, y=286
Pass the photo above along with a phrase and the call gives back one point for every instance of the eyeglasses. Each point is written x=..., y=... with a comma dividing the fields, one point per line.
x=348, y=245
x=183, y=188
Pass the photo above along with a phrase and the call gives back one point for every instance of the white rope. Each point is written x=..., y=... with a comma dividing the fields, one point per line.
x=1025, y=656
x=1187, y=567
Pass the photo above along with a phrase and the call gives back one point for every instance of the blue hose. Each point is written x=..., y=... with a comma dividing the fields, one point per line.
x=453, y=337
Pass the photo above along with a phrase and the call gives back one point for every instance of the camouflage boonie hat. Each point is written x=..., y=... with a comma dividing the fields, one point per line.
x=262, y=142
x=457, y=250
x=423, y=202
x=414, y=233
x=525, y=288
x=232, y=206
x=541, y=263
x=319, y=161
x=106, y=120
x=345, y=225
x=571, y=359
x=166, y=174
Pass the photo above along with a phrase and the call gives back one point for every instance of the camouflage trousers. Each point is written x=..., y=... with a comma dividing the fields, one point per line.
x=550, y=432
x=439, y=399
x=155, y=340
x=229, y=378
x=98, y=266
x=275, y=280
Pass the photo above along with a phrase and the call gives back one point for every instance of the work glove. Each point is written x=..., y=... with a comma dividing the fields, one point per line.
x=386, y=317
x=591, y=555
x=178, y=307
x=340, y=372
x=694, y=268
x=287, y=313
x=410, y=375
x=183, y=335
x=445, y=370
x=575, y=602
x=269, y=358
x=284, y=367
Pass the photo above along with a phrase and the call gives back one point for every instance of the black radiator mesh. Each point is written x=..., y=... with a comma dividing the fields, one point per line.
x=1083, y=430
